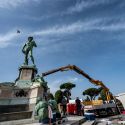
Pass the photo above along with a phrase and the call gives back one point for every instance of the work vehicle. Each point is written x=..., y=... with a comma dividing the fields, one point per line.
x=97, y=105
x=81, y=72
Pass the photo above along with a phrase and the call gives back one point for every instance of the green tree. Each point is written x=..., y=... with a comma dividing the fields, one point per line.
x=58, y=96
x=100, y=89
x=103, y=95
x=91, y=93
x=50, y=96
x=67, y=86
x=67, y=89
x=87, y=98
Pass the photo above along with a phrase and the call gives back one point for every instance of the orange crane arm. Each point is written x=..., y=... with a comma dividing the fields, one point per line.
x=79, y=71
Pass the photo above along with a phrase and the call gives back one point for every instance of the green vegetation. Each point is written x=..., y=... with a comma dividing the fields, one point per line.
x=91, y=93
x=50, y=96
x=58, y=96
x=67, y=86
x=67, y=89
x=103, y=95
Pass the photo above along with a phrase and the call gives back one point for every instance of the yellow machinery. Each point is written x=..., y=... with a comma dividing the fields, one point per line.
x=93, y=102
x=81, y=72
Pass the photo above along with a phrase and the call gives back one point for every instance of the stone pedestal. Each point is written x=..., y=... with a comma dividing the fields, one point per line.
x=27, y=72
x=26, y=75
x=17, y=101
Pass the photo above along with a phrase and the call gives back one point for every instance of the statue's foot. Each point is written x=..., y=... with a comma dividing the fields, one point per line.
x=25, y=64
x=34, y=65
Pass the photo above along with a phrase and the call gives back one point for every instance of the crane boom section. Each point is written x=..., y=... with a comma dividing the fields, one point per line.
x=79, y=71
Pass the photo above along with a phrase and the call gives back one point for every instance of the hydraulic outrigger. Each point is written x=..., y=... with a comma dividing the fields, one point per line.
x=79, y=71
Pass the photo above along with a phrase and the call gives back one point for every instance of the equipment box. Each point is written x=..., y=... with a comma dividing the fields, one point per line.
x=89, y=116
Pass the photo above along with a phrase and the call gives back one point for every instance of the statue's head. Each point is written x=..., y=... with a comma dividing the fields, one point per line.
x=30, y=38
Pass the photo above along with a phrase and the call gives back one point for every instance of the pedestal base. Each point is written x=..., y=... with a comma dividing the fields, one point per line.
x=26, y=76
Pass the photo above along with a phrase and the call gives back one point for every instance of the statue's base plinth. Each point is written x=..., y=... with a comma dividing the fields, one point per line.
x=17, y=104
x=26, y=76
x=18, y=100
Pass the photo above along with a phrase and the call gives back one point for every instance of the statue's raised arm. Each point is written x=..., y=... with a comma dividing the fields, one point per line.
x=28, y=50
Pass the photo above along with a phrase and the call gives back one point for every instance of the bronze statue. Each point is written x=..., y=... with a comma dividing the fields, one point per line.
x=28, y=49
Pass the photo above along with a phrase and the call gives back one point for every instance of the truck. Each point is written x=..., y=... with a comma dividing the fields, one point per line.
x=97, y=106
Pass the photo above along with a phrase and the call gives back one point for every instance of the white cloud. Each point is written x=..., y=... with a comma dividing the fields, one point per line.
x=54, y=86
x=64, y=29
x=112, y=27
x=7, y=38
x=80, y=26
x=106, y=24
x=83, y=4
x=74, y=79
x=14, y=3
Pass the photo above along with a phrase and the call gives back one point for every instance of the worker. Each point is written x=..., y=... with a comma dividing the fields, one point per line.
x=78, y=106
x=64, y=104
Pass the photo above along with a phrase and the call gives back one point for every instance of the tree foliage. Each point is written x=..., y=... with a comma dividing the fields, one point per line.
x=100, y=89
x=66, y=93
x=87, y=98
x=67, y=85
x=50, y=96
x=58, y=96
x=92, y=93
x=103, y=95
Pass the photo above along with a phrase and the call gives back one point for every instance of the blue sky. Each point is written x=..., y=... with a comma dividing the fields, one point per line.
x=87, y=33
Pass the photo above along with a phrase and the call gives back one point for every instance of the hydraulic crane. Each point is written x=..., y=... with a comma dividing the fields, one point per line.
x=81, y=72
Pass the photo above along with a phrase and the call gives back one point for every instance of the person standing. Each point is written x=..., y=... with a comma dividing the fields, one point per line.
x=64, y=104
x=78, y=106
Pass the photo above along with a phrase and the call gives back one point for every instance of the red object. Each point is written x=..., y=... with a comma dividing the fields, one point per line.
x=123, y=112
x=71, y=108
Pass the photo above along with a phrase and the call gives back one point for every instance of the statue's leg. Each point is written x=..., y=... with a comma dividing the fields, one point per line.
x=32, y=59
x=31, y=56
x=26, y=59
